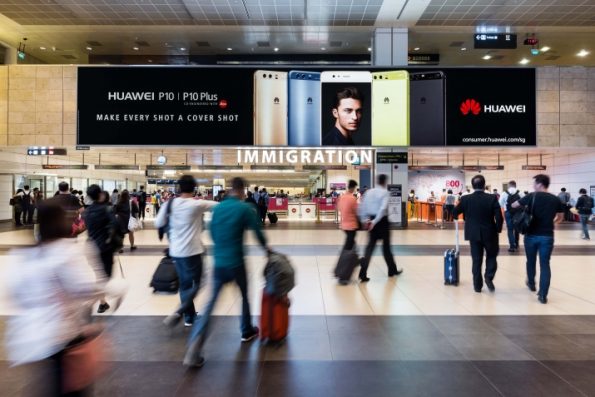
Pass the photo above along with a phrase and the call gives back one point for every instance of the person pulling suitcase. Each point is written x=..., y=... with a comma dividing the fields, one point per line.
x=349, y=259
x=451, y=261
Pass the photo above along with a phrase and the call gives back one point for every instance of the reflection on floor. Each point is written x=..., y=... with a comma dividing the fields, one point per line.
x=406, y=336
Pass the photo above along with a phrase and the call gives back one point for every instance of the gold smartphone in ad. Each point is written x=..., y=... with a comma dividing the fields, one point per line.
x=270, y=108
x=390, y=108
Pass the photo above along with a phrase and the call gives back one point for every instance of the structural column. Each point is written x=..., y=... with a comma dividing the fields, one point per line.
x=390, y=47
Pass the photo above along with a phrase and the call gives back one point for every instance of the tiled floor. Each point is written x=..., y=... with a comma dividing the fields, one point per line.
x=405, y=336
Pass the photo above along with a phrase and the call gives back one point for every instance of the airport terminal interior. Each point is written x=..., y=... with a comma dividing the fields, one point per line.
x=298, y=98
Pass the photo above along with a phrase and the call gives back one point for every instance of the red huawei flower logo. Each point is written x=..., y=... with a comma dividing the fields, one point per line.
x=470, y=105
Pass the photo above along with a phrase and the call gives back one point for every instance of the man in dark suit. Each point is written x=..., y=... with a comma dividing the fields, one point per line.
x=483, y=222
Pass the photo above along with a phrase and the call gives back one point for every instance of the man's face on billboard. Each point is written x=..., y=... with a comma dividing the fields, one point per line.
x=348, y=115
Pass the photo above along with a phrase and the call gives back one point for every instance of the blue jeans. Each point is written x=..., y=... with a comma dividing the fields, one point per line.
x=190, y=272
x=585, y=225
x=222, y=276
x=513, y=234
x=542, y=245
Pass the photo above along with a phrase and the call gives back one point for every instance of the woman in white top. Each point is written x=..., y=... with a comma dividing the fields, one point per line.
x=52, y=286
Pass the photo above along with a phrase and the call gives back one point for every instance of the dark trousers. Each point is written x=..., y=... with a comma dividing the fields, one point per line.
x=491, y=250
x=447, y=212
x=142, y=208
x=17, y=217
x=542, y=246
x=349, y=240
x=27, y=214
x=222, y=276
x=513, y=234
x=190, y=273
x=379, y=232
x=263, y=213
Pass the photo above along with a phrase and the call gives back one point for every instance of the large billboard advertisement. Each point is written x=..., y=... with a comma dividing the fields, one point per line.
x=307, y=107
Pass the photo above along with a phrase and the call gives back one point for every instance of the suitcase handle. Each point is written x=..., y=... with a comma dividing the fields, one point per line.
x=457, y=233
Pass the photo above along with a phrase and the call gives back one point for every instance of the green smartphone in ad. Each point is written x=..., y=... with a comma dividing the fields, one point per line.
x=390, y=108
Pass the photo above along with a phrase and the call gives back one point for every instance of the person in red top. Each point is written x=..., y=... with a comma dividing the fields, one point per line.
x=347, y=205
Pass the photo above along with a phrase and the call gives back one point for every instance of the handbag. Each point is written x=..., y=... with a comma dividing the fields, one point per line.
x=522, y=219
x=84, y=362
x=78, y=226
x=133, y=224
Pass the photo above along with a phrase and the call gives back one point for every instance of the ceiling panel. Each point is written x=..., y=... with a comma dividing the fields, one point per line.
x=508, y=12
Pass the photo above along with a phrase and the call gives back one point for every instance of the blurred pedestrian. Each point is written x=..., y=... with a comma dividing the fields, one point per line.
x=124, y=210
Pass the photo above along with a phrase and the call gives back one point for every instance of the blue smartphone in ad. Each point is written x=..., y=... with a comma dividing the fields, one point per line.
x=303, y=122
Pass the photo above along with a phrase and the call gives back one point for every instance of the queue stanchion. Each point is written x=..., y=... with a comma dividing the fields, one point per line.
x=318, y=220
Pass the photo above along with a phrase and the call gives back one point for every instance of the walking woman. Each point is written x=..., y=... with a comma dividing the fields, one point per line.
x=124, y=209
x=52, y=287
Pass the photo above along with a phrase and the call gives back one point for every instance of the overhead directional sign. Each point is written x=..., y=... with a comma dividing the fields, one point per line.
x=496, y=41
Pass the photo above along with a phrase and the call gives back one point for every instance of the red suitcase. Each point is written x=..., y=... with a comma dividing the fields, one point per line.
x=274, y=318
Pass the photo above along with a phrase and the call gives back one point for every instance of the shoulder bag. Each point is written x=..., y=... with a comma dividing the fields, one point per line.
x=522, y=219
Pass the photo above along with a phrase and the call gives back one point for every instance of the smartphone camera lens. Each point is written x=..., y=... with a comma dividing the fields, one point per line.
x=264, y=76
x=270, y=76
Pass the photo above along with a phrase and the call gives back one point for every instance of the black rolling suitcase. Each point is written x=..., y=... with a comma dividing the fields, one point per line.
x=165, y=279
x=348, y=260
x=451, y=262
x=273, y=218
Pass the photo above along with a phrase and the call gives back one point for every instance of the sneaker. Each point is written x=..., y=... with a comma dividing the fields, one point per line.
x=172, y=320
x=188, y=324
x=542, y=299
x=250, y=335
x=133, y=248
x=530, y=286
x=103, y=307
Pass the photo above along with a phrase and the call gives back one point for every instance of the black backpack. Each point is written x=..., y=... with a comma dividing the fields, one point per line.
x=27, y=198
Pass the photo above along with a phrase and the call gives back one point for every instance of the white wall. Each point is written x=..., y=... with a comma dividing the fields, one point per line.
x=6, y=192
x=341, y=176
x=572, y=171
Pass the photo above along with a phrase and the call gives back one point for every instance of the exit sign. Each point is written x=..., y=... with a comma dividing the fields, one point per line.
x=495, y=41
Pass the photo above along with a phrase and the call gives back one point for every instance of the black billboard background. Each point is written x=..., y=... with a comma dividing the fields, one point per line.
x=497, y=86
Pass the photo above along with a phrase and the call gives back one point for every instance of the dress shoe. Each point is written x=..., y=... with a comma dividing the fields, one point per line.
x=531, y=287
x=478, y=290
x=364, y=279
x=395, y=273
x=542, y=299
x=490, y=285
x=511, y=250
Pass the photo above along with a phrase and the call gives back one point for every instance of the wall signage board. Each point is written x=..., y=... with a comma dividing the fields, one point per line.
x=301, y=107
x=534, y=167
x=46, y=151
x=168, y=167
x=117, y=167
x=391, y=157
x=496, y=41
x=64, y=166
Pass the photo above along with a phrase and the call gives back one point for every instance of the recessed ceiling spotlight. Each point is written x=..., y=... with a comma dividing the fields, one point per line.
x=323, y=48
x=545, y=49
x=464, y=49
x=486, y=57
x=135, y=48
x=524, y=61
x=229, y=48
x=42, y=48
x=369, y=48
x=583, y=53
x=276, y=49
x=416, y=49
x=89, y=48
x=150, y=60
x=182, y=48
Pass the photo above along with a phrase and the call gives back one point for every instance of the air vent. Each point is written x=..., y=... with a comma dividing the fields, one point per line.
x=457, y=44
x=142, y=43
x=203, y=44
x=68, y=56
x=336, y=43
x=263, y=43
x=93, y=43
x=552, y=57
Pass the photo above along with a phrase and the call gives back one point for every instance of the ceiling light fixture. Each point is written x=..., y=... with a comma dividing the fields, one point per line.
x=583, y=53
x=135, y=48
x=276, y=49
x=42, y=48
x=229, y=48
x=524, y=61
x=416, y=49
x=486, y=57
x=369, y=48
x=89, y=48
x=545, y=49
x=182, y=48
x=323, y=48
x=464, y=49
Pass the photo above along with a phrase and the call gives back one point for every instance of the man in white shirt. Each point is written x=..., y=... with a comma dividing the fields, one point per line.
x=373, y=214
x=185, y=246
x=506, y=199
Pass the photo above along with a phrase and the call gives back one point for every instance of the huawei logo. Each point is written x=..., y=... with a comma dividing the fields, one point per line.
x=386, y=101
x=276, y=100
x=470, y=105
x=309, y=101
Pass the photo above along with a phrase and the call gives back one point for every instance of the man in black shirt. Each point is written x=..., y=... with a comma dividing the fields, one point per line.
x=584, y=206
x=347, y=111
x=546, y=210
x=142, y=202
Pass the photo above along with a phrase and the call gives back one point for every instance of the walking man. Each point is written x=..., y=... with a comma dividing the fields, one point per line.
x=230, y=219
x=564, y=197
x=510, y=196
x=584, y=206
x=185, y=246
x=142, y=202
x=546, y=210
x=373, y=214
x=483, y=222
